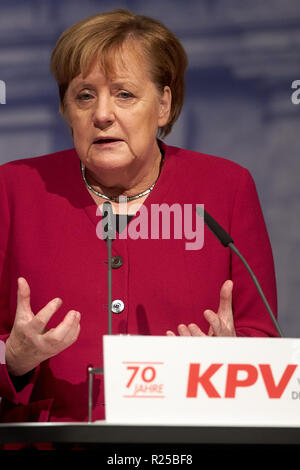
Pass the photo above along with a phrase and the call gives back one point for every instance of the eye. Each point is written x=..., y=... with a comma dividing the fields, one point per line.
x=84, y=96
x=124, y=95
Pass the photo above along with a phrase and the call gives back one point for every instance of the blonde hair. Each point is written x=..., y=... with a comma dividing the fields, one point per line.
x=100, y=37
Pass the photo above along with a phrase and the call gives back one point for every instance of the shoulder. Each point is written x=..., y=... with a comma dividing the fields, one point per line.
x=219, y=183
x=205, y=165
x=39, y=177
x=26, y=173
x=48, y=162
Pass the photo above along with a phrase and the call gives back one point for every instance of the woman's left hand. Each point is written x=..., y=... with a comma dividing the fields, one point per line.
x=221, y=323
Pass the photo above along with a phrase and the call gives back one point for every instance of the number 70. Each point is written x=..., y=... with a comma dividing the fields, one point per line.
x=148, y=374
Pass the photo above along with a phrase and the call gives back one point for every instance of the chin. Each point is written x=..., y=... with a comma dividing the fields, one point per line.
x=109, y=163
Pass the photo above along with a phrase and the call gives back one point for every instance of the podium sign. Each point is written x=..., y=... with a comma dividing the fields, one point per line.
x=202, y=381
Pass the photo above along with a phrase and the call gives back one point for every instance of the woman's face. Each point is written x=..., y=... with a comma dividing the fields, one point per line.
x=115, y=119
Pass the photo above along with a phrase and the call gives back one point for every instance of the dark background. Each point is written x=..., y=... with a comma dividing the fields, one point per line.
x=243, y=58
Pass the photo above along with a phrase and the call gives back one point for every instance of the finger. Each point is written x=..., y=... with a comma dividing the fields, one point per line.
x=195, y=330
x=170, y=333
x=66, y=328
x=41, y=319
x=183, y=330
x=72, y=335
x=214, y=322
x=210, y=331
x=225, y=305
x=23, y=299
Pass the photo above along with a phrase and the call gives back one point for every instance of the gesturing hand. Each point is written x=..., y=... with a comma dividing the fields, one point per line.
x=30, y=342
x=221, y=323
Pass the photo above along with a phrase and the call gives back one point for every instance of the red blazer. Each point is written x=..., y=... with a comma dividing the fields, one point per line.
x=48, y=235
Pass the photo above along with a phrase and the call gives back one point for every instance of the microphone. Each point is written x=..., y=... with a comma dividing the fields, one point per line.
x=108, y=235
x=227, y=241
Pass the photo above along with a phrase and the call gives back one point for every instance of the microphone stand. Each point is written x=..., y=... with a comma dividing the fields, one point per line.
x=258, y=287
x=109, y=236
x=109, y=284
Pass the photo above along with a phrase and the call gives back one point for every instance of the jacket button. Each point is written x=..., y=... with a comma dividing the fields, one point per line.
x=117, y=306
x=116, y=262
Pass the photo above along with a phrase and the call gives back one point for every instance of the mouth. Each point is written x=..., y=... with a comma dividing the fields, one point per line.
x=107, y=141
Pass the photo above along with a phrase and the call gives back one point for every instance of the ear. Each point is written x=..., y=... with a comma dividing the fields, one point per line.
x=165, y=101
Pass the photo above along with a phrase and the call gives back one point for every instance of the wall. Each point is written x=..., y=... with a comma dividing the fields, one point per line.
x=243, y=58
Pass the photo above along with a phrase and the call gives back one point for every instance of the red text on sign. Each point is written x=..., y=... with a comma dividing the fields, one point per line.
x=232, y=382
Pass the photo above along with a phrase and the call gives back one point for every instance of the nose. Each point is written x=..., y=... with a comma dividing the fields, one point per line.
x=103, y=113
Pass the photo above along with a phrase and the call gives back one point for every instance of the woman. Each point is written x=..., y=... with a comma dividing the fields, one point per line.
x=121, y=84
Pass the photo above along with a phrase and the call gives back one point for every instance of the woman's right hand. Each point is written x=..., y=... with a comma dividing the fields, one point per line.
x=30, y=343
